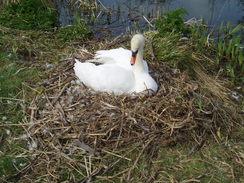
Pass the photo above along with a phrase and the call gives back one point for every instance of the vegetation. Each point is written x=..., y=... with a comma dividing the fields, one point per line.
x=73, y=32
x=28, y=14
x=183, y=138
x=86, y=5
x=25, y=58
x=224, y=50
x=172, y=22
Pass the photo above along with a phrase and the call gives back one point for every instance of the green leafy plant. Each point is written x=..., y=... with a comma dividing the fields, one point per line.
x=28, y=14
x=172, y=21
x=229, y=51
x=73, y=32
x=225, y=47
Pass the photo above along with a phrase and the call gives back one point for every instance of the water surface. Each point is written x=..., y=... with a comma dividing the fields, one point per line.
x=119, y=16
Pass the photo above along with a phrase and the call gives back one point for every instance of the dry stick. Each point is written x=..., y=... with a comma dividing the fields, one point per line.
x=153, y=176
x=62, y=113
x=148, y=21
x=24, y=124
x=25, y=169
x=116, y=155
x=31, y=88
x=109, y=167
x=102, y=5
x=198, y=146
x=89, y=178
x=61, y=92
x=118, y=139
x=85, y=51
x=110, y=177
x=137, y=159
x=118, y=40
x=7, y=98
x=151, y=49
x=190, y=180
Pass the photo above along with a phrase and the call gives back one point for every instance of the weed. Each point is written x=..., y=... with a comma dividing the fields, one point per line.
x=85, y=5
x=28, y=14
x=171, y=22
x=23, y=57
x=11, y=92
x=168, y=49
x=230, y=53
x=225, y=50
x=73, y=32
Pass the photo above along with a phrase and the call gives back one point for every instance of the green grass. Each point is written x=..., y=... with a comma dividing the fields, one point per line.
x=28, y=14
x=168, y=49
x=23, y=57
x=12, y=91
x=74, y=32
x=224, y=50
x=172, y=22
x=9, y=163
x=215, y=162
x=221, y=45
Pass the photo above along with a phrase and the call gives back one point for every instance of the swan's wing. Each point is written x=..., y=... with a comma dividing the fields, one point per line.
x=119, y=56
x=107, y=78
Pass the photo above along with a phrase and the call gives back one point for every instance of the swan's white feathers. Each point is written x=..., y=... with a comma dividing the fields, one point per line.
x=114, y=80
x=118, y=56
x=115, y=74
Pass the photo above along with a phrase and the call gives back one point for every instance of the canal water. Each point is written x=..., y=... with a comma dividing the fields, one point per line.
x=114, y=17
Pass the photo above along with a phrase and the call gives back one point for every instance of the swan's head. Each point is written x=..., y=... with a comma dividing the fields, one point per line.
x=137, y=44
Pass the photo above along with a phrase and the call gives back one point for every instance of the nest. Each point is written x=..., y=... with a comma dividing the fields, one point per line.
x=70, y=124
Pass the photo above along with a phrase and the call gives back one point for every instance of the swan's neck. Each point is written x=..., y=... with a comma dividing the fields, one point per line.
x=139, y=66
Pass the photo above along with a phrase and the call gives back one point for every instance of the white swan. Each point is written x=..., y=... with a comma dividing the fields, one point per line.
x=121, y=71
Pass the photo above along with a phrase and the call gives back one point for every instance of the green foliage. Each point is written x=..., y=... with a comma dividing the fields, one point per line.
x=9, y=165
x=74, y=32
x=28, y=14
x=12, y=79
x=172, y=21
x=227, y=48
x=167, y=48
x=229, y=52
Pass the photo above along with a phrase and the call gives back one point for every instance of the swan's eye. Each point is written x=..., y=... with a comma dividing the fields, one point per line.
x=134, y=53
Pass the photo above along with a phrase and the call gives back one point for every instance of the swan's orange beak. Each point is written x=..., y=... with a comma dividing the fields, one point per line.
x=132, y=60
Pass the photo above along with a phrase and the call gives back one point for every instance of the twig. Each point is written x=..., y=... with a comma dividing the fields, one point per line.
x=7, y=98
x=198, y=146
x=116, y=155
x=148, y=21
x=61, y=92
x=151, y=50
x=103, y=5
x=137, y=159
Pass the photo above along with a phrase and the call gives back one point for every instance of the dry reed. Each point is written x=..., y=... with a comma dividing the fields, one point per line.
x=78, y=130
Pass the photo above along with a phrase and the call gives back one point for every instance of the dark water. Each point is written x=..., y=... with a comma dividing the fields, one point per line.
x=119, y=16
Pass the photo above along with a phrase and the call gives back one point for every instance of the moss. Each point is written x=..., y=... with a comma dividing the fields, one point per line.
x=28, y=14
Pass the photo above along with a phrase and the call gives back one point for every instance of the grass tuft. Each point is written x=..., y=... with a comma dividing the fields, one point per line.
x=28, y=14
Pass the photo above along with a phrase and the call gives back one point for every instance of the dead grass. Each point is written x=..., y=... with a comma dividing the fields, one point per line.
x=74, y=134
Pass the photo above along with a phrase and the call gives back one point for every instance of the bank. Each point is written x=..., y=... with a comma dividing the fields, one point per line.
x=52, y=133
